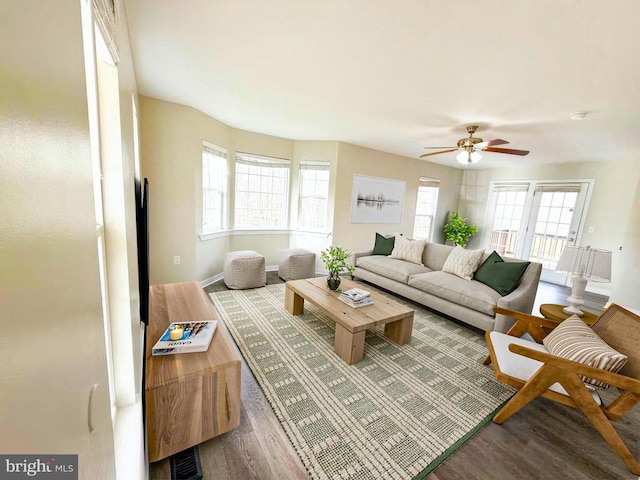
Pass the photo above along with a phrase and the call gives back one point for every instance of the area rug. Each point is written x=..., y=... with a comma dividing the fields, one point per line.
x=397, y=414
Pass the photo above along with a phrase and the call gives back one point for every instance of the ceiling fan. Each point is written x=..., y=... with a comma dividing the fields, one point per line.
x=471, y=147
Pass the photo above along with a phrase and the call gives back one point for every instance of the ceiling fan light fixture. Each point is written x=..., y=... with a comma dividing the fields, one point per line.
x=475, y=156
x=463, y=157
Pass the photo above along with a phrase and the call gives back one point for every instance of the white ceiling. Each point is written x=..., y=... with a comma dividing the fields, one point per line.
x=400, y=75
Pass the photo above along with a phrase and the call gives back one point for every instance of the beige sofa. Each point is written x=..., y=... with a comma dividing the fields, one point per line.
x=469, y=301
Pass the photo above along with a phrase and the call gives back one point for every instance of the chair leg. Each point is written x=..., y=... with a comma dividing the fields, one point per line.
x=585, y=402
x=537, y=385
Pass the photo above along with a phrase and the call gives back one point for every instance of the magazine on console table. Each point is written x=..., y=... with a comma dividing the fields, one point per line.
x=186, y=337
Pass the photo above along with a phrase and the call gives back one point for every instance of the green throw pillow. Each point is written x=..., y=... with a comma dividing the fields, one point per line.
x=383, y=245
x=502, y=276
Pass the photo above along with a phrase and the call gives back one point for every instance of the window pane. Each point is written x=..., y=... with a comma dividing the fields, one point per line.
x=425, y=212
x=314, y=194
x=214, y=185
x=261, y=195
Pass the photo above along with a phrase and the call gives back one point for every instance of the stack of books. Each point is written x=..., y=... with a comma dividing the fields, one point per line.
x=356, y=298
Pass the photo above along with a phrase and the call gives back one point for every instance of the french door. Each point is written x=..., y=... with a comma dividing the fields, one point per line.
x=535, y=220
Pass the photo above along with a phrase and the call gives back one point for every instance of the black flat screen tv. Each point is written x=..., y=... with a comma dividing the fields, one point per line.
x=142, y=223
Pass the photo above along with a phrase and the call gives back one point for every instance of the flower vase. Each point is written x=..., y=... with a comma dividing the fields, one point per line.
x=333, y=281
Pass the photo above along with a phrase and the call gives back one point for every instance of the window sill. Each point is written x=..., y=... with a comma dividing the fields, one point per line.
x=242, y=231
x=260, y=231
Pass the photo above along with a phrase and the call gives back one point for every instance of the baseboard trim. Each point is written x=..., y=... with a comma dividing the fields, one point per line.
x=219, y=276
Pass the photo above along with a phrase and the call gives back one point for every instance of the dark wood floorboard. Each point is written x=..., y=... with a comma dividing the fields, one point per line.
x=543, y=441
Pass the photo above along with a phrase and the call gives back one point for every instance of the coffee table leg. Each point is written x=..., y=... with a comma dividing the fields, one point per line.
x=293, y=302
x=400, y=330
x=349, y=346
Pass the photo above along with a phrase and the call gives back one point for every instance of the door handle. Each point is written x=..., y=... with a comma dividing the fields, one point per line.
x=570, y=239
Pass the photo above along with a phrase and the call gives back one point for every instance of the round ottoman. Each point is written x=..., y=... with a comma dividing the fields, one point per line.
x=244, y=269
x=296, y=263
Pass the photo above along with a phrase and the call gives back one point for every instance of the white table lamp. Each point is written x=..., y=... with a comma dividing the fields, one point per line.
x=583, y=264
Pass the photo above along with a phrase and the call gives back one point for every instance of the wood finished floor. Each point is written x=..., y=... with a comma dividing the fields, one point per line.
x=543, y=441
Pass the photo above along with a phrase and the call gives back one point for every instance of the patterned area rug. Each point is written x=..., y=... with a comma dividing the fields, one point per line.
x=397, y=414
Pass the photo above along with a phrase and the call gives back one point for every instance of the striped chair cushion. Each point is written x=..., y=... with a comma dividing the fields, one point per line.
x=575, y=340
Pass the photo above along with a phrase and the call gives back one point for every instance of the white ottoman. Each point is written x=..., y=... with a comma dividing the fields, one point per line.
x=244, y=269
x=296, y=263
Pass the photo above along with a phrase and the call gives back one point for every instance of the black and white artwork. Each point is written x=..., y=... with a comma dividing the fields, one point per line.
x=376, y=200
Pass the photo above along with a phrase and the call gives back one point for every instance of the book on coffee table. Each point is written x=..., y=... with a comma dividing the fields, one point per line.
x=196, y=337
x=363, y=302
x=356, y=294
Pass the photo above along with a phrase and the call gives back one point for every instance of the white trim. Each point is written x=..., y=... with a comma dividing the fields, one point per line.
x=213, y=279
x=311, y=233
x=232, y=232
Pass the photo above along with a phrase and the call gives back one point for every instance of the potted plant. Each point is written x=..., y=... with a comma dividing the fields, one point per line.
x=457, y=231
x=335, y=261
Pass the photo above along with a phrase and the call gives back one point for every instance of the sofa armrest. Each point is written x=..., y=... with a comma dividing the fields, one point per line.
x=357, y=255
x=521, y=299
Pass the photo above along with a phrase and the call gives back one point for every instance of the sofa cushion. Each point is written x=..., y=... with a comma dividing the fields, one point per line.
x=471, y=294
x=392, y=268
x=435, y=254
x=384, y=245
x=409, y=250
x=463, y=262
x=502, y=276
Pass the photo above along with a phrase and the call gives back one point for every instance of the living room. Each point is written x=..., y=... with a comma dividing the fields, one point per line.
x=361, y=89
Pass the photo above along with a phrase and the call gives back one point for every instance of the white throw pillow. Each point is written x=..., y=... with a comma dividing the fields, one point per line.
x=463, y=262
x=409, y=250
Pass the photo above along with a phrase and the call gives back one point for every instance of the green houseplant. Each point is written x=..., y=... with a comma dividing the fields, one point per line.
x=335, y=260
x=458, y=231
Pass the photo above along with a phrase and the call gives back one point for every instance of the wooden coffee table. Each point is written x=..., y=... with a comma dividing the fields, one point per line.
x=351, y=323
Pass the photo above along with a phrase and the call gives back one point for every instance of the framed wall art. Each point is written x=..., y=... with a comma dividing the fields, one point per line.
x=376, y=200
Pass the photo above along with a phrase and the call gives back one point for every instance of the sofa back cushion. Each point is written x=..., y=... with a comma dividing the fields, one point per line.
x=409, y=250
x=435, y=254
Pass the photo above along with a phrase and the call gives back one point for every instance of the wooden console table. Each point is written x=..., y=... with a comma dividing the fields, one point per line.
x=190, y=397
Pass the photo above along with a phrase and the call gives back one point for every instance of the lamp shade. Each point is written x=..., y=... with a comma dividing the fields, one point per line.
x=463, y=157
x=590, y=263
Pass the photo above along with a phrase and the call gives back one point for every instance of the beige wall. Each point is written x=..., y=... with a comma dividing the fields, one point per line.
x=51, y=296
x=626, y=277
x=610, y=210
x=171, y=144
x=353, y=160
x=172, y=136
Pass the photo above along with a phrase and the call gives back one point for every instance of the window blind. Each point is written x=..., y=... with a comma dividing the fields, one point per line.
x=510, y=187
x=262, y=161
x=558, y=187
x=428, y=182
x=310, y=165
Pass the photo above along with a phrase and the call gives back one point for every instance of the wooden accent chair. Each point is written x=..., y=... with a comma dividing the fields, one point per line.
x=558, y=379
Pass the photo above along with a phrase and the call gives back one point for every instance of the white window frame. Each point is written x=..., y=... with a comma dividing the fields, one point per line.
x=426, y=183
x=214, y=157
x=307, y=166
x=262, y=162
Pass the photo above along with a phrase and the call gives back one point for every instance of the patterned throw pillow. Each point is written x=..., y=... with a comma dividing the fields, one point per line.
x=463, y=262
x=575, y=340
x=409, y=250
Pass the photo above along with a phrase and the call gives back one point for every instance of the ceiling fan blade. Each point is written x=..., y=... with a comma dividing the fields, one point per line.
x=510, y=151
x=491, y=143
x=438, y=153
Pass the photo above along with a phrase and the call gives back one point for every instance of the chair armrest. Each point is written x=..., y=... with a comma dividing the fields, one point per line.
x=537, y=327
x=615, y=379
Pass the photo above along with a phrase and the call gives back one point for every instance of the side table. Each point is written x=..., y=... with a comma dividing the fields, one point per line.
x=554, y=312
